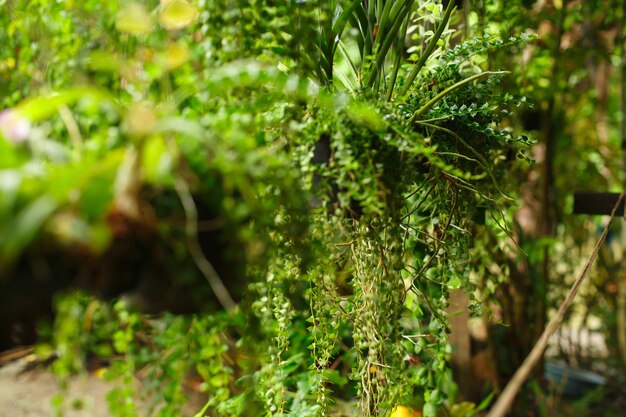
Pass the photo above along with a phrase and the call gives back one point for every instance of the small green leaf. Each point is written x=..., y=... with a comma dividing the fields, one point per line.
x=430, y=410
x=455, y=283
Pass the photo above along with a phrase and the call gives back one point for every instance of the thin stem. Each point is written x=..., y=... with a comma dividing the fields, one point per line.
x=484, y=163
x=437, y=243
x=398, y=60
x=386, y=38
x=429, y=49
x=203, y=264
x=450, y=89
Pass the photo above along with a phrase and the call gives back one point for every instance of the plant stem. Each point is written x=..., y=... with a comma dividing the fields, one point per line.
x=448, y=90
x=483, y=161
x=429, y=49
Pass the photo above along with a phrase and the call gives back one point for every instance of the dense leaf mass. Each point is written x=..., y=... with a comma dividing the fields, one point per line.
x=292, y=170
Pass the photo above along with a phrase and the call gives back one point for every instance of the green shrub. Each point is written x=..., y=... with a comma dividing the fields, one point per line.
x=346, y=171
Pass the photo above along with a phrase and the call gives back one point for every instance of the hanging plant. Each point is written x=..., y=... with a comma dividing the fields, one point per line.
x=344, y=168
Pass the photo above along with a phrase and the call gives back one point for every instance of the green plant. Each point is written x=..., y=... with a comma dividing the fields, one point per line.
x=349, y=257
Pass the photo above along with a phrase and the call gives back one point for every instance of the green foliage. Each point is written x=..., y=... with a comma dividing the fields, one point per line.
x=162, y=352
x=349, y=257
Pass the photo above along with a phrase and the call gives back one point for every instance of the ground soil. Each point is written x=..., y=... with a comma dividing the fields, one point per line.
x=27, y=389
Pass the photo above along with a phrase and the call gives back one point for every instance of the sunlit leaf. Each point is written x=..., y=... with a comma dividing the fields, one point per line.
x=175, y=55
x=26, y=225
x=68, y=228
x=140, y=120
x=103, y=61
x=134, y=19
x=430, y=410
x=157, y=161
x=455, y=283
x=181, y=126
x=42, y=107
x=9, y=185
x=177, y=14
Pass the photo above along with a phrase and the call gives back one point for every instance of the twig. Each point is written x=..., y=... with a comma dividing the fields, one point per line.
x=437, y=242
x=203, y=264
x=72, y=127
x=418, y=114
x=478, y=155
x=510, y=392
x=429, y=49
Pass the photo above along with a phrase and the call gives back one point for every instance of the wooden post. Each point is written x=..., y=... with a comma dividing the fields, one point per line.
x=621, y=283
x=459, y=338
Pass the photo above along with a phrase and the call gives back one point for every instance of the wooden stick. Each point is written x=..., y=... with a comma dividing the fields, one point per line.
x=505, y=400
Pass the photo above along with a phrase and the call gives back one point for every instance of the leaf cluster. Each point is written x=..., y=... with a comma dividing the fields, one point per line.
x=344, y=171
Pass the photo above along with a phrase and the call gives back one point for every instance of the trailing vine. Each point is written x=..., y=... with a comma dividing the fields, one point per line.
x=349, y=187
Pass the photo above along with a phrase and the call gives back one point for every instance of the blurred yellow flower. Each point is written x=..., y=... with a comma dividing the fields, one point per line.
x=7, y=64
x=403, y=411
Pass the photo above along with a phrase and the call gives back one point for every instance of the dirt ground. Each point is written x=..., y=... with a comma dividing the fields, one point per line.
x=28, y=391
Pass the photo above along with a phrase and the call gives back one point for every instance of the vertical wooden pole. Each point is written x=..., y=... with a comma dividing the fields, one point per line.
x=621, y=287
x=459, y=338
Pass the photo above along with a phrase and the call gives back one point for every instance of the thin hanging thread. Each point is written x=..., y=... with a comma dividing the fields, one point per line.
x=505, y=400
